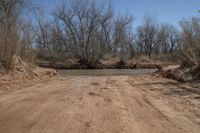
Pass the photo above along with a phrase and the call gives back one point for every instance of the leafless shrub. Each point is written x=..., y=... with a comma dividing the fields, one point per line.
x=189, y=51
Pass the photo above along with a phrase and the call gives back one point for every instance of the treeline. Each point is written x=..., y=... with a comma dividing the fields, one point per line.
x=89, y=30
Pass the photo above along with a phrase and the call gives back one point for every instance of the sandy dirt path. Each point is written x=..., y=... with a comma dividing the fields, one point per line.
x=89, y=105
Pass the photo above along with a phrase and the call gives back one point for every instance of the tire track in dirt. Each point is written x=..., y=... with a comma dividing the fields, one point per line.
x=87, y=104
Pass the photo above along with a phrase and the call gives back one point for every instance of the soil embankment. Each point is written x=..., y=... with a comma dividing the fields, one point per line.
x=21, y=75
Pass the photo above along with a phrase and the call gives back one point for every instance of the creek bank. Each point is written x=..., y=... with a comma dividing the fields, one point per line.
x=23, y=74
x=102, y=64
x=180, y=73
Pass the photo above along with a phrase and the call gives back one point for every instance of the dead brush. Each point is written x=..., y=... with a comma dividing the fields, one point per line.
x=95, y=83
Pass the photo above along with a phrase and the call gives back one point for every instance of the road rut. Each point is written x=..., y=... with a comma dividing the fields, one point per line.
x=85, y=104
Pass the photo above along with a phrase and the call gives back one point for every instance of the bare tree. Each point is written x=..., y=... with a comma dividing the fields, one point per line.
x=58, y=38
x=146, y=34
x=87, y=28
x=121, y=32
x=130, y=41
x=43, y=37
x=10, y=11
x=167, y=39
x=26, y=38
x=174, y=38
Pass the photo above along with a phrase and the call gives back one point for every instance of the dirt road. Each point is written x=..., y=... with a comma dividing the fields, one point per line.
x=117, y=104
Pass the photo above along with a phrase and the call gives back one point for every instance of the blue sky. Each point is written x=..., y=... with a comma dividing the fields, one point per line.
x=171, y=11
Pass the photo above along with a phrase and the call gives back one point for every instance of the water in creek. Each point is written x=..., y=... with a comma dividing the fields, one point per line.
x=104, y=72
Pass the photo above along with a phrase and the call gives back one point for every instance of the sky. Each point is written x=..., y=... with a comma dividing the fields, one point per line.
x=166, y=11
